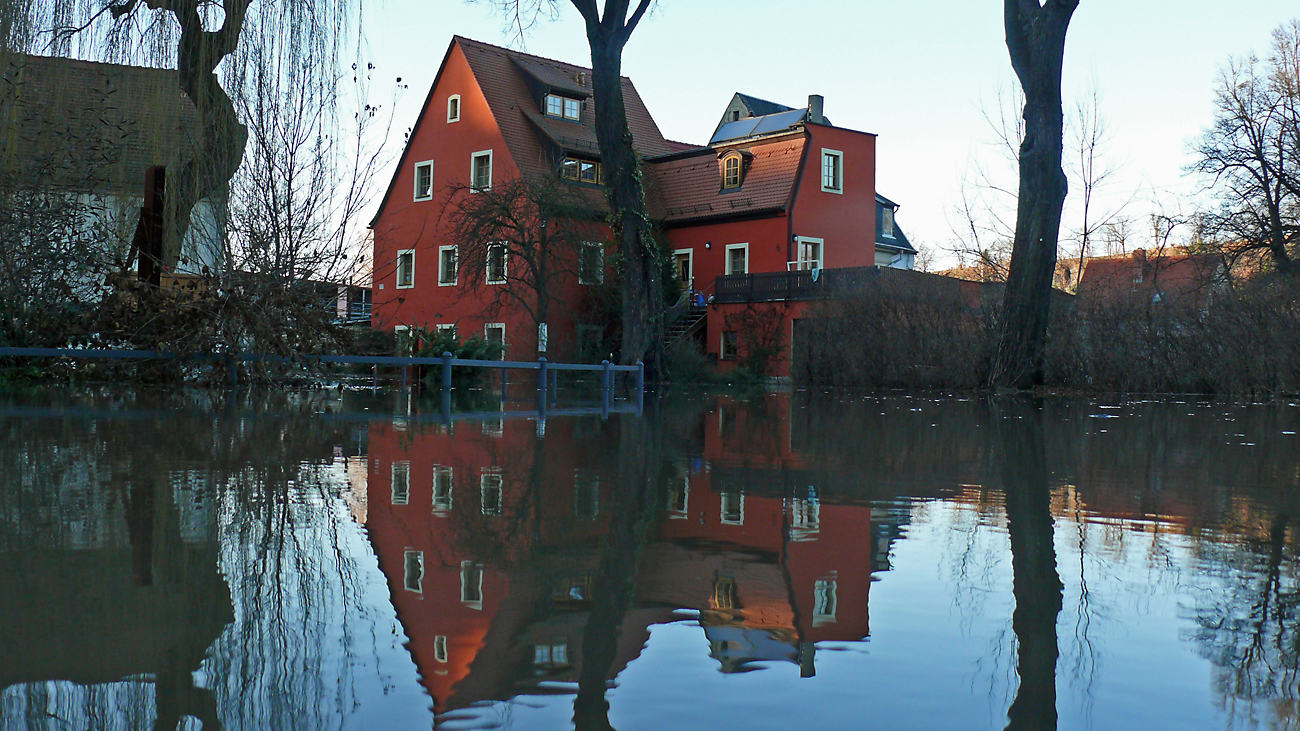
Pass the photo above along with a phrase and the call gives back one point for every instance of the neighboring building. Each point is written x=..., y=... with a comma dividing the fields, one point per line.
x=90, y=131
x=1169, y=277
x=777, y=196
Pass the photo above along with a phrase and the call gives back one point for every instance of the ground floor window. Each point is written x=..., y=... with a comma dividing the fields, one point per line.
x=730, y=348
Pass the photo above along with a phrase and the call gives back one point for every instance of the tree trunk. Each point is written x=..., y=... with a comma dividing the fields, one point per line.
x=1036, y=43
x=642, y=286
x=222, y=137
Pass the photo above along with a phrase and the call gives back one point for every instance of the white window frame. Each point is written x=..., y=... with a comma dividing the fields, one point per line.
x=400, y=332
x=428, y=194
x=800, y=263
x=839, y=181
x=465, y=568
x=442, y=272
x=505, y=264
x=416, y=586
x=402, y=467
x=690, y=258
x=726, y=262
x=496, y=326
x=722, y=345
x=492, y=479
x=443, y=327
x=397, y=273
x=887, y=217
x=600, y=266
x=459, y=109
x=440, y=648
x=722, y=506
x=825, y=600
x=443, y=506
x=542, y=337
x=473, y=162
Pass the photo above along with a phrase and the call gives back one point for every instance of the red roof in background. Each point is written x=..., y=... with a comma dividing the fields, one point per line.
x=688, y=187
x=1175, y=272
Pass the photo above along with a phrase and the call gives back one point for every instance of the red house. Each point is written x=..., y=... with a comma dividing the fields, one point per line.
x=778, y=199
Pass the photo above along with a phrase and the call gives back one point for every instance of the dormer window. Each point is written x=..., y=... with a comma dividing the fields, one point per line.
x=731, y=171
x=564, y=107
x=887, y=222
x=583, y=171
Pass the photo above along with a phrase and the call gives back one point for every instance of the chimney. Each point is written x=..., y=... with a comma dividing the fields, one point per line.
x=815, y=102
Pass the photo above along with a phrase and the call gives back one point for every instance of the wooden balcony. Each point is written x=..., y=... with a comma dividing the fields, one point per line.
x=800, y=284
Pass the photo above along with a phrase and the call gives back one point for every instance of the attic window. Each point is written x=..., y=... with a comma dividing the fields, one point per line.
x=887, y=222
x=560, y=106
x=453, y=108
x=583, y=171
x=731, y=171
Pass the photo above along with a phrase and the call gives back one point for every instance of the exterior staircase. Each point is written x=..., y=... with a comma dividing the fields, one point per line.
x=685, y=325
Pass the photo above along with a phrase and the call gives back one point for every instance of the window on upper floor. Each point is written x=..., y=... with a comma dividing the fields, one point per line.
x=563, y=107
x=480, y=171
x=401, y=483
x=447, y=266
x=442, y=487
x=583, y=171
x=453, y=108
x=832, y=171
x=737, y=261
x=731, y=171
x=591, y=264
x=490, y=486
x=406, y=268
x=496, y=264
x=413, y=573
x=471, y=584
x=809, y=253
x=887, y=222
x=424, y=181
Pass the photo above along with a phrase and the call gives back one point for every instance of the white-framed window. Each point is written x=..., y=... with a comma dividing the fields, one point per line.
x=424, y=180
x=808, y=253
x=497, y=259
x=731, y=171
x=541, y=337
x=447, y=266
x=413, y=571
x=832, y=171
x=490, y=484
x=495, y=332
x=887, y=222
x=445, y=327
x=733, y=507
x=591, y=264
x=824, y=601
x=725, y=593
x=440, y=648
x=737, y=261
x=406, y=268
x=480, y=170
x=679, y=497
x=563, y=106
x=684, y=267
x=729, y=348
x=401, y=482
x=453, y=108
x=443, y=482
x=402, y=335
x=586, y=494
x=471, y=584
x=805, y=516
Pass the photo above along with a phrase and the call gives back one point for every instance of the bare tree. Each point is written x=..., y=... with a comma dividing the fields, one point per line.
x=527, y=239
x=1250, y=153
x=609, y=27
x=1035, y=35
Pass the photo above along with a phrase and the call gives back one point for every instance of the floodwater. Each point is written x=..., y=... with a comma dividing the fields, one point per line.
x=354, y=561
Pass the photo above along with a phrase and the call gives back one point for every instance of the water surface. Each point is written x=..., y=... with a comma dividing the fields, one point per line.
x=351, y=561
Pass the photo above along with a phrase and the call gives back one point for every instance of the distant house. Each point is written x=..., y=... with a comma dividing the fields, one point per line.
x=777, y=198
x=89, y=131
x=1172, y=276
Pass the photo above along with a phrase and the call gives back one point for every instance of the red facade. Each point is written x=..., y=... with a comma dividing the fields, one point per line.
x=769, y=194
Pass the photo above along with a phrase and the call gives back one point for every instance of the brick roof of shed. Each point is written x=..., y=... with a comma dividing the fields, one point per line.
x=92, y=126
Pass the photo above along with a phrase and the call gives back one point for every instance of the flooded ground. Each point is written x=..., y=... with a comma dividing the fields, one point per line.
x=354, y=561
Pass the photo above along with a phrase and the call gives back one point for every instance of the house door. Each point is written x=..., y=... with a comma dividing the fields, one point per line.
x=684, y=263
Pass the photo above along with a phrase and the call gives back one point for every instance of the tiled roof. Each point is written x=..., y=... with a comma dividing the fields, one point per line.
x=103, y=123
x=567, y=135
x=498, y=71
x=550, y=76
x=688, y=187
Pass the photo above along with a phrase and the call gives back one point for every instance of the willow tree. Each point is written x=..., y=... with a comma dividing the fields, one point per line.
x=1035, y=34
x=195, y=37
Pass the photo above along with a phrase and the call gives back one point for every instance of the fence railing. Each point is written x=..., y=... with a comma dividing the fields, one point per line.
x=545, y=380
x=799, y=284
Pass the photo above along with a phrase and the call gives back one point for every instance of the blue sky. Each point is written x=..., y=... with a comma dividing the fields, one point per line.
x=914, y=73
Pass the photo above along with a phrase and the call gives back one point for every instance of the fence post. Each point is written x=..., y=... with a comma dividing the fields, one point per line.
x=640, y=385
x=446, y=371
x=541, y=376
x=606, y=381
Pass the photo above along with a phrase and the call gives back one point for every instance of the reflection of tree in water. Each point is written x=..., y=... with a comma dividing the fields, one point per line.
x=115, y=517
x=1248, y=620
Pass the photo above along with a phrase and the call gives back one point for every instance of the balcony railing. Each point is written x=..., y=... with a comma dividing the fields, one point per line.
x=800, y=284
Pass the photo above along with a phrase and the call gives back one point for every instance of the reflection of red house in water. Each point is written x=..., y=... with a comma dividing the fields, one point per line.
x=491, y=553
